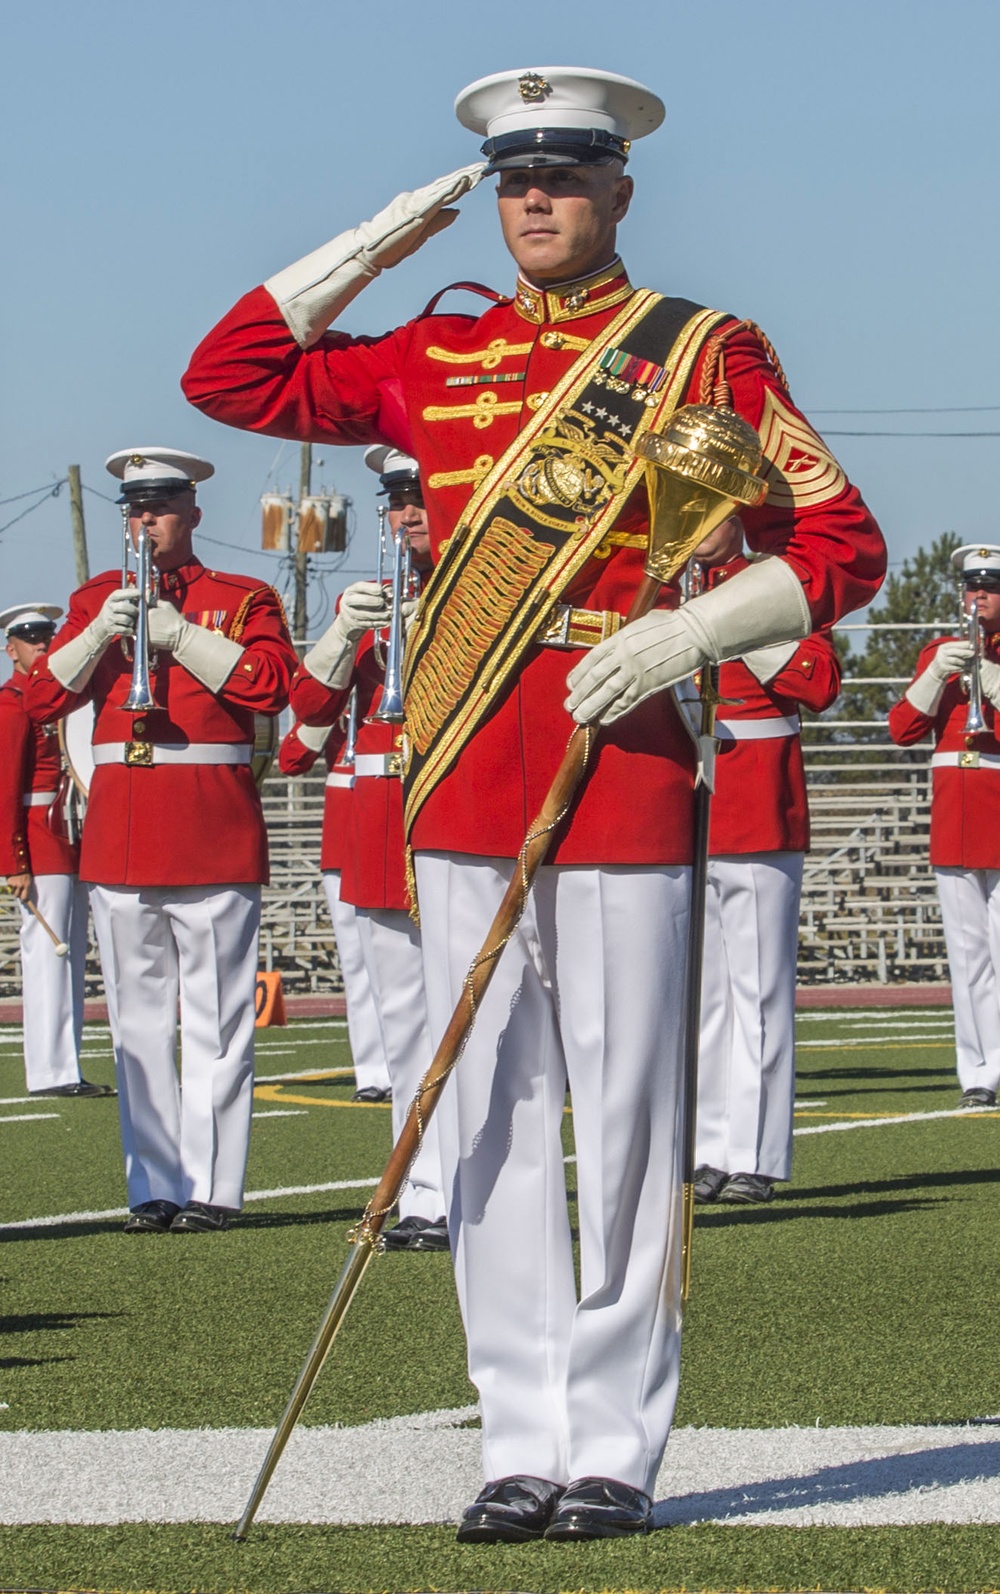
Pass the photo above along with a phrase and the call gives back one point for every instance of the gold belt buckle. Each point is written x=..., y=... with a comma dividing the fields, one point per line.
x=137, y=753
x=394, y=764
x=969, y=759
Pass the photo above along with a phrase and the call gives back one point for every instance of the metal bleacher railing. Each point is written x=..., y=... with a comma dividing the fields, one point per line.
x=869, y=908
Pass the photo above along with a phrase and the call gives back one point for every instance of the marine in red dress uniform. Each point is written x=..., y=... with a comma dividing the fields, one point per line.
x=576, y=1394
x=41, y=864
x=758, y=837
x=175, y=919
x=965, y=816
x=373, y=876
x=298, y=753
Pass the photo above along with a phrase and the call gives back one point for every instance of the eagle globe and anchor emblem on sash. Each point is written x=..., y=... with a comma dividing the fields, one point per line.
x=572, y=474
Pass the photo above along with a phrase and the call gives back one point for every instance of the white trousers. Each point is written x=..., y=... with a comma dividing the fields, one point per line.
x=746, y=1063
x=364, y=1027
x=390, y=942
x=52, y=987
x=589, y=992
x=184, y=1139
x=970, y=913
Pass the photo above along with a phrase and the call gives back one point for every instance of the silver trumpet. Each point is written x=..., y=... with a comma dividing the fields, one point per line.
x=351, y=742
x=140, y=697
x=390, y=654
x=975, y=722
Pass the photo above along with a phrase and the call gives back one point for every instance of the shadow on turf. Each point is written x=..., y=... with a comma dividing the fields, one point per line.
x=790, y=1209
x=43, y=1323
x=257, y=1220
x=807, y=1073
x=913, y=1181
x=841, y=1485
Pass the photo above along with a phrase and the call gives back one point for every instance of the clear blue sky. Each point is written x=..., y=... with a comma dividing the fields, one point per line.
x=828, y=170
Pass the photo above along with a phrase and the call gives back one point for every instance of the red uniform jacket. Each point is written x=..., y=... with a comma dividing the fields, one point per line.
x=30, y=761
x=372, y=872
x=760, y=802
x=295, y=758
x=636, y=805
x=965, y=802
x=177, y=824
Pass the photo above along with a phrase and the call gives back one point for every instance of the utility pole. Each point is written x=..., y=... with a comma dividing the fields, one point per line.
x=79, y=529
x=299, y=616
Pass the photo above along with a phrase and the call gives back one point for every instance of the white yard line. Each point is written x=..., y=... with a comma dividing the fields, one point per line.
x=282, y=1191
x=251, y=1195
x=27, y=1117
x=283, y=1112
x=854, y=1043
x=898, y=1118
x=426, y=1468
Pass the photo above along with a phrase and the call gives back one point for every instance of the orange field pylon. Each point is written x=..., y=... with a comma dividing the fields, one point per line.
x=269, y=1001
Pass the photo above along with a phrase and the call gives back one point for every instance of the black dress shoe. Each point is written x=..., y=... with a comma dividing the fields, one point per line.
x=199, y=1218
x=82, y=1087
x=600, y=1508
x=978, y=1098
x=508, y=1511
x=708, y=1182
x=151, y=1217
x=418, y=1234
x=747, y=1189
x=372, y=1093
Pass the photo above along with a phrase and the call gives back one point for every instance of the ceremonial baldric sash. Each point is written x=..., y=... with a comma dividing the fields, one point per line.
x=533, y=523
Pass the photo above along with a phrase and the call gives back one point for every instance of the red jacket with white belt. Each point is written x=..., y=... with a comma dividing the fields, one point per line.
x=636, y=805
x=760, y=802
x=187, y=823
x=30, y=772
x=295, y=758
x=372, y=868
x=965, y=793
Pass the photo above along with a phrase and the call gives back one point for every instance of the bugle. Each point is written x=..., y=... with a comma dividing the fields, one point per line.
x=140, y=697
x=975, y=720
x=390, y=708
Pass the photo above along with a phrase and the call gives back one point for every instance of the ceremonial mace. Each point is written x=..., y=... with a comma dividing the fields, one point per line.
x=698, y=469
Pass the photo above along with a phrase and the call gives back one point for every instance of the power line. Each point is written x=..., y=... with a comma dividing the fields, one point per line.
x=827, y=433
x=47, y=492
x=943, y=409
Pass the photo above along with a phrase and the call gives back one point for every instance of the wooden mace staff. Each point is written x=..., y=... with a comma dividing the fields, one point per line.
x=697, y=470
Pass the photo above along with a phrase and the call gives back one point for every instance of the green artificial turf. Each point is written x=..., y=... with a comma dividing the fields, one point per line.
x=866, y=1293
x=301, y=1560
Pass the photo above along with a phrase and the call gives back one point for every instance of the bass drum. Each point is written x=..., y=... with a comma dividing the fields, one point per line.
x=265, y=746
x=76, y=738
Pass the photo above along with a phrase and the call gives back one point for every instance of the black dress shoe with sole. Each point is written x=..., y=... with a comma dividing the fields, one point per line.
x=978, y=1098
x=600, y=1508
x=82, y=1087
x=199, y=1218
x=372, y=1093
x=747, y=1190
x=151, y=1217
x=707, y=1183
x=509, y=1511
x=418, y=1234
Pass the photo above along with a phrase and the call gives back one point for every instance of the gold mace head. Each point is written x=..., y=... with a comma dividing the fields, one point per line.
x=699, y=467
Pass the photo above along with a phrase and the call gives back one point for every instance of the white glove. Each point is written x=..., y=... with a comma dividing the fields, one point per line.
x=315, y=737
x=765, y=603
x=207, y=655
x=75, y=662
x=311, y=293
x=364, y=605
x=989, y=680
x=951, y=658
x=766, y=663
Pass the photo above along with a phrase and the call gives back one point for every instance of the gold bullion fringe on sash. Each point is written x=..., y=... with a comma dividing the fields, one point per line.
x=424, y=681
x=503, y=565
